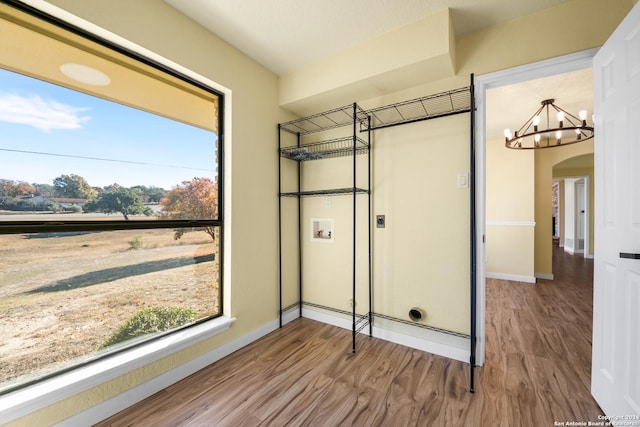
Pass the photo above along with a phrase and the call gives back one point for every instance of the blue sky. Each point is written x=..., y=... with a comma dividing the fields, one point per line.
x=38, y=117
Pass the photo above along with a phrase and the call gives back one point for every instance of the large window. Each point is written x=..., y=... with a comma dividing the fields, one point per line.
x=110, y=200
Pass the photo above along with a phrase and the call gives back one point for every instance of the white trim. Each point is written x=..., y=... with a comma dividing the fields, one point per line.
x=112, y=406
x=511, y=223
x=47, y=392
x=543, y=276
x=512, y=277
x=563, y=64
x=434, y=342
x=290, y=315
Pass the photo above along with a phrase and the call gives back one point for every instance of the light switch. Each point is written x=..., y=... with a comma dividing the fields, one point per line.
x=463, y=180
x=380, y=221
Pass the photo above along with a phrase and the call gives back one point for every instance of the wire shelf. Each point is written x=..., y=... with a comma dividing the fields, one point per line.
x=338, y=117
x=329, y=192
x=443, y=104
x=339, y=147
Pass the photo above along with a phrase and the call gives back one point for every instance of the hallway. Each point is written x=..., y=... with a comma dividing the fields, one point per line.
x=539, y=345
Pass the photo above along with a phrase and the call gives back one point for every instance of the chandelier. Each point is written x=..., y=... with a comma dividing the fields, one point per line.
x=568, y=129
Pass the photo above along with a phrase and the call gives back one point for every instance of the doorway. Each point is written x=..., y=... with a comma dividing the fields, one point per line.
x=574, y=179
x=564, y=64
x=576, y=213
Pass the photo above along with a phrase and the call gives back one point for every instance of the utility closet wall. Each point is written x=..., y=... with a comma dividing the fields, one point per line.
x=421, y=257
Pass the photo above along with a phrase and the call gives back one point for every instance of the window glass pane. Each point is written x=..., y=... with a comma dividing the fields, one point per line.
x=66, y=298
x=66, y=155
x=102, y=140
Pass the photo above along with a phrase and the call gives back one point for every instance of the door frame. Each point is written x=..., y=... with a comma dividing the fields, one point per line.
x=562, y=64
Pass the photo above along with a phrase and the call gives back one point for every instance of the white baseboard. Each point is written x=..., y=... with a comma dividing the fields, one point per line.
x=136, y=394
x=544, y=276
x=512, y=277
x=290, y=315
x=450, y=346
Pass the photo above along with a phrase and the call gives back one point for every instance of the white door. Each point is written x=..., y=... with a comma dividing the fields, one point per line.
x=615, y=375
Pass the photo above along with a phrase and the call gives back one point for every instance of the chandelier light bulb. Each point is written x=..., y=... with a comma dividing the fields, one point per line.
x=560, y=118
x=536, y=122
x=578, y=134
x=536, y=137
x=583, y=116
x=507, y=134
x=558, y=136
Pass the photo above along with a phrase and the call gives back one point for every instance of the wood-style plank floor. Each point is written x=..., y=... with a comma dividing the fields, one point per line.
x=537, y=371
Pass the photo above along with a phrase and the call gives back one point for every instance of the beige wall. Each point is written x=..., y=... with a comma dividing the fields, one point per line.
x=421, y=258
x=545, y=160
x=518, y=189
x=510, y=210
x=415, y=168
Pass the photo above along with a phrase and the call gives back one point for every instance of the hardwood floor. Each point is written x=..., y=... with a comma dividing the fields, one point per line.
x=537, y=372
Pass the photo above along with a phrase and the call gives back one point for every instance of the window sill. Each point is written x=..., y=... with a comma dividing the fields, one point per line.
x=47, y=392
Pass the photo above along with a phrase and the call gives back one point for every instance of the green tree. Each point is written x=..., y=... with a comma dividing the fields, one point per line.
x=10, y=189
x=120, y=200
x=150, y=194
x=195, y=199
x=73, y=186
x=44, y=189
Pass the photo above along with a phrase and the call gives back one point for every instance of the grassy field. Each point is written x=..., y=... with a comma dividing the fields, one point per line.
x=62, y=296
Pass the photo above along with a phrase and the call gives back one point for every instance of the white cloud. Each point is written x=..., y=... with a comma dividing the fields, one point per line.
x=39, y=113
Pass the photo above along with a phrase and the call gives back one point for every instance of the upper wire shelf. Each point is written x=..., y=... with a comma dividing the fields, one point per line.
x=428, y=107
x=326, y=120
x=338, y=147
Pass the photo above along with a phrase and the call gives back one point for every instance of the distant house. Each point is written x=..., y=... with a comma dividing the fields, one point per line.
x=66, y=202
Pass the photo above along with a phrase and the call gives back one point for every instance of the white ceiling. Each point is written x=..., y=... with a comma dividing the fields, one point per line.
x=284, y=35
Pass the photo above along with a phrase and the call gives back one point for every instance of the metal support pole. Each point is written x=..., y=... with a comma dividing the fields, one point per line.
x=472, y=254
x=369, y=222
x=353, y=301
x=280, y=223
x=299, y=235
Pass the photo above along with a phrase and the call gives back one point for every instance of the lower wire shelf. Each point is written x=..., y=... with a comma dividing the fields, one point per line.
x=328, y=192
x=365, y=318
